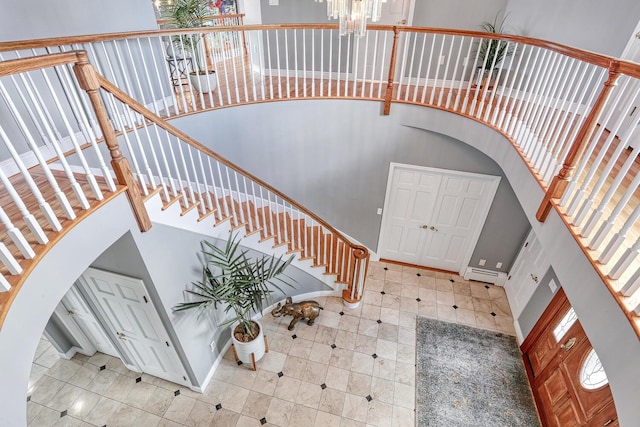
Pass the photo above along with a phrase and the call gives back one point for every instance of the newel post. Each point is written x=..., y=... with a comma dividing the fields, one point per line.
x=88, y=81
x=354, y=293
x=560, y=182
x=392, y=72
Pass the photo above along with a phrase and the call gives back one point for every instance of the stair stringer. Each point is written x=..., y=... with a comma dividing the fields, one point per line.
x=174, y=217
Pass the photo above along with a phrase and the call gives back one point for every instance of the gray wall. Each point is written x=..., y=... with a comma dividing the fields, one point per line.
x=294, y=11
x=599, y=26
x=459, y=14
x=32, y=19
x=58, y=335
x=333, y=157
x=539, y=301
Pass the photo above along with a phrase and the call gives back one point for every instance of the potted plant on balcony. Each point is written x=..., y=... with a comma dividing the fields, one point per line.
x=191, y=14
x=491, y=53
x=241, y=284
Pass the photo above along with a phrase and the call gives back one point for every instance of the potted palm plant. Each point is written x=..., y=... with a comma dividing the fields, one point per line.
x=191, y=14
x=241, y=284
x=491, y=52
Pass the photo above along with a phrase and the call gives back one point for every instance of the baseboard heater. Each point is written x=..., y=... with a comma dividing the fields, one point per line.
x=488, y=276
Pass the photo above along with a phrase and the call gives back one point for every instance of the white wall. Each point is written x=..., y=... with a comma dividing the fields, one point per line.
x=596, y=25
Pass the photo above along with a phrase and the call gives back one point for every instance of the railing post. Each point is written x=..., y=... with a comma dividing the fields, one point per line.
x=559, y=183
x=88, y=81
x=352, y=296
x=392, y=72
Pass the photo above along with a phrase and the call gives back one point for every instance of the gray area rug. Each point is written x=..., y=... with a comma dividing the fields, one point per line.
x=470, y=377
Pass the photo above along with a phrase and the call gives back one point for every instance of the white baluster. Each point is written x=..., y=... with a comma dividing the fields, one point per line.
x=295, y=60
x=410, y=74
x=10, y=262
x=618, y=238
x=453, y=74
x=437, y=75
x=225, y=205
x=16, y=236
x=553, y=113
x=286, y=62
x=42, y=203
x=563, y=148
x=420, y=62
x=356, y=49
x=597, y=214
x=91, y=179
x=207, y=193
x=464, y=73
x=374, y=61
x=60, y=196
x=627, y=259
x=586, y=206
x=347, y=64
x=446, y=71
x=511, y=117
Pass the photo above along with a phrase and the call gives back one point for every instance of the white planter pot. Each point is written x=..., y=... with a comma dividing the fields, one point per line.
x=244, y=350
x=204, y=82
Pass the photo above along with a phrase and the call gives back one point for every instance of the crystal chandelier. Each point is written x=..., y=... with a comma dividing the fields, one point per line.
x=352, y=15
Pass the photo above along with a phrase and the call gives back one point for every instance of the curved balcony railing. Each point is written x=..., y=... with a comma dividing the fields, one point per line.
x=572, y=114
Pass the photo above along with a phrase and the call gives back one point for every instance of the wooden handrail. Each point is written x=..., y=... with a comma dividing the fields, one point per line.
x=591, y=57
x=16, y=66
x=158, y=121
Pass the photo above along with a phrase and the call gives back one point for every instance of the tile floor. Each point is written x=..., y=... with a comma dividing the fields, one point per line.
x=352, y=368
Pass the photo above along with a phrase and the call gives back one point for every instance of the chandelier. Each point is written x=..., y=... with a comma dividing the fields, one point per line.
x=352, y=15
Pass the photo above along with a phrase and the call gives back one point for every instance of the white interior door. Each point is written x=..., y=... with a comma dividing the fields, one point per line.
x=433, y=217
x=80, y=313
x=131, y=317
x=526, y=273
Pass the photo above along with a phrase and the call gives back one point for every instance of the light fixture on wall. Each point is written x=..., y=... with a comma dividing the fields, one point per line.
x=352, y=15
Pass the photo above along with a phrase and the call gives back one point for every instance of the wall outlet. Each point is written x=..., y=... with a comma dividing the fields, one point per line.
x=482, y=262
x=442, y=60
x=274, y=2
x=465, y=61
x=553, y=285
x=498, y=265
x=379, y=211
x=212, y=346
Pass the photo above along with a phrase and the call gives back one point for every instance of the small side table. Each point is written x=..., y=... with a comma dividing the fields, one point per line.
x=179, y=68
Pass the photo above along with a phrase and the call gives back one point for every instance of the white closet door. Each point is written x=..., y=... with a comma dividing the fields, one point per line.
x=525, y=274
x=433, y=217
x=129, y=313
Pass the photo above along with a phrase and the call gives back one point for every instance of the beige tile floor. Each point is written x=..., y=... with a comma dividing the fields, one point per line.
x=352, y=368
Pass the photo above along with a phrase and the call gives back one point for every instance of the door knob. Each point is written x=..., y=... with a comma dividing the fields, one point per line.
x=121, y=335
x=534, y=278
x=569, y=344
x=424, y=227
x=71, y=313
x=433, y=228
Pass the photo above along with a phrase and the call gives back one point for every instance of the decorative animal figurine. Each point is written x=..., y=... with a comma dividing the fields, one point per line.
x=299, y=310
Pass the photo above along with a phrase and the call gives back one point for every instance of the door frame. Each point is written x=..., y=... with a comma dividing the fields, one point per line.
x=492, y=179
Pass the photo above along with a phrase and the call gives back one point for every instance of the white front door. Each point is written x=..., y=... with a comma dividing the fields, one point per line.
x=525, y=274
x=433, y=217
x=125, y=307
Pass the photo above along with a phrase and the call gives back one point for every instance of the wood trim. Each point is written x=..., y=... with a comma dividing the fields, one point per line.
x=406, y=264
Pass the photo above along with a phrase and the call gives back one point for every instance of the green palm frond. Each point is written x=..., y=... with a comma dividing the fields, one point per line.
x=241, y=283
x=491, y=52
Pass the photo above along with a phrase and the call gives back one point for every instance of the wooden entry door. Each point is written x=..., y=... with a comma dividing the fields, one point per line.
x=567, y=380
x=433, y=217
